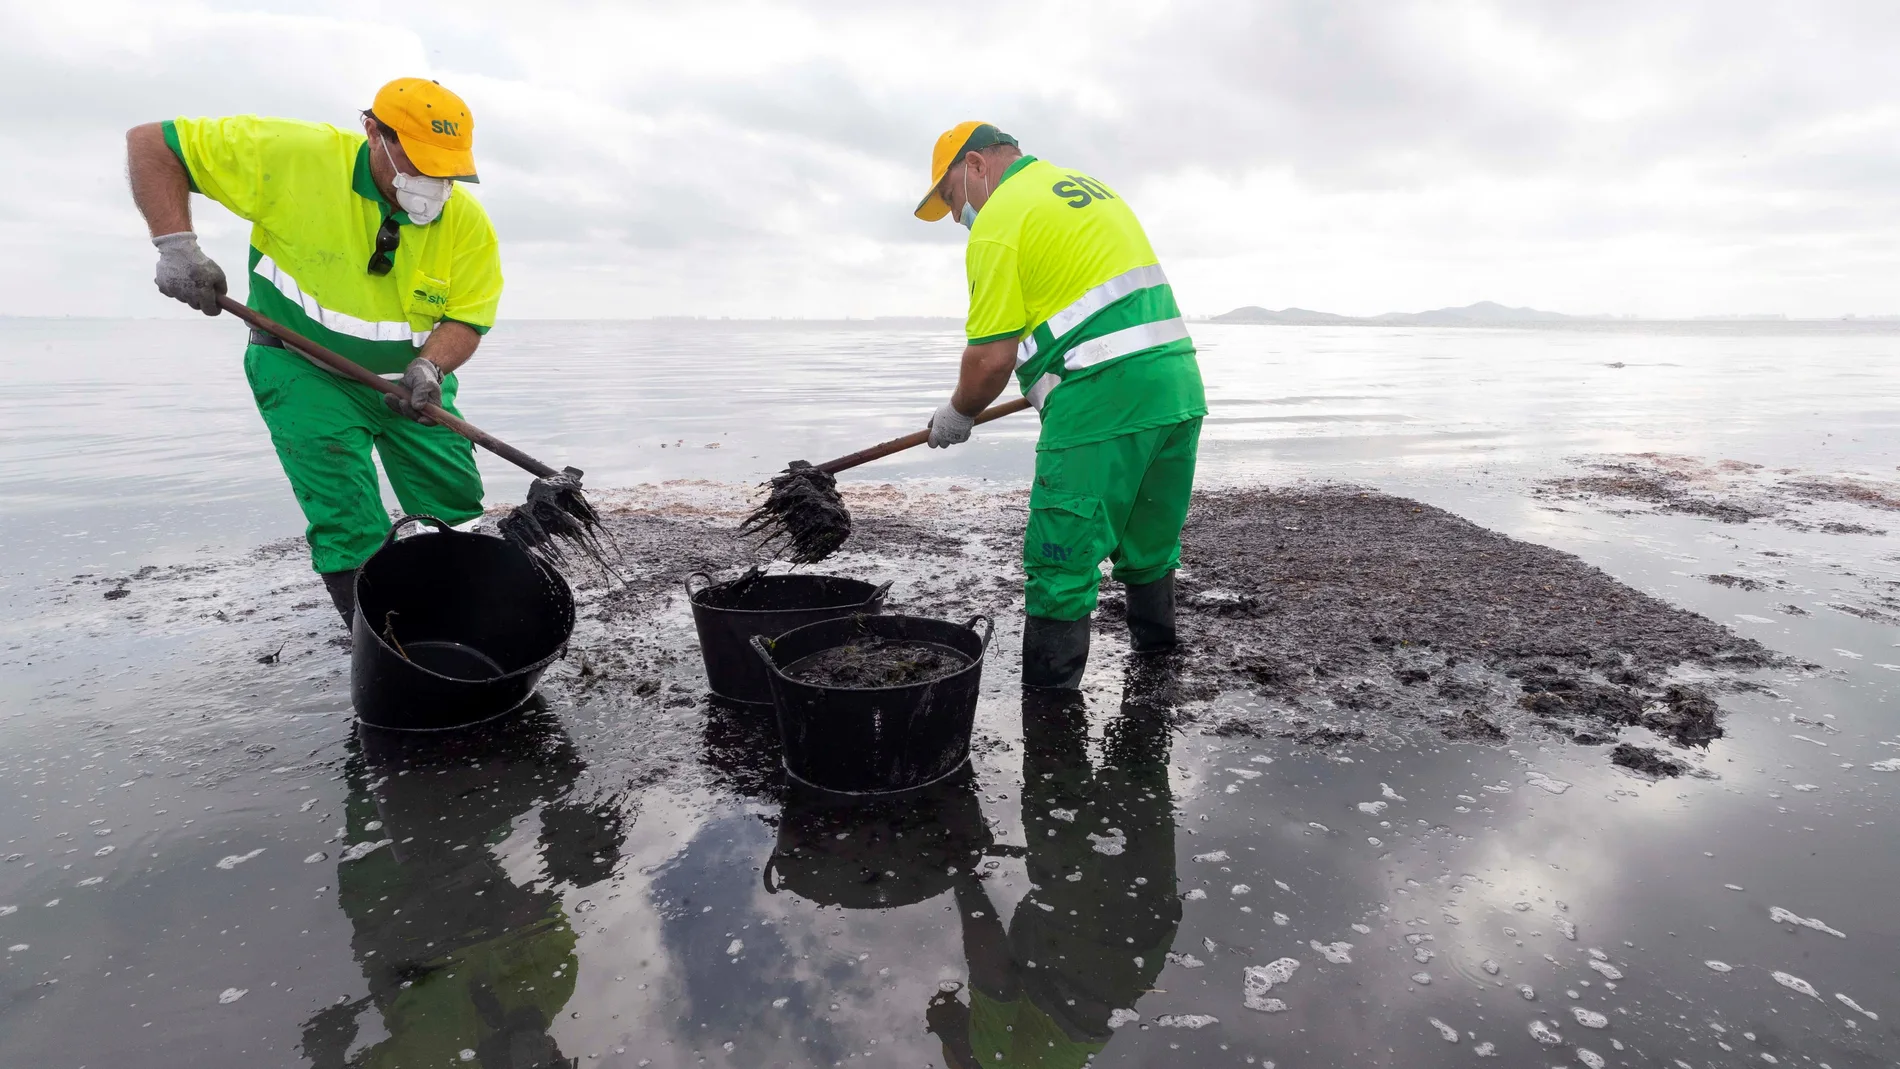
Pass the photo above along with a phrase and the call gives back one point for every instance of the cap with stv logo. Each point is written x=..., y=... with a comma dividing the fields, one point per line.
x=956, y=142
x=433, y=125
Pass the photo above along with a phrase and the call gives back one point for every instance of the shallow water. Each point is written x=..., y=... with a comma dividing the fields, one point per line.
x=201, y=857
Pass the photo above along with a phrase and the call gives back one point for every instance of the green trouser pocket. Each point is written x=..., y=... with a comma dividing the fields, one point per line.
x=1067, y=539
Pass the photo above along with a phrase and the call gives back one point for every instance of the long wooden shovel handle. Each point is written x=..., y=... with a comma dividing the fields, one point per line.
x=348, y=368
x=915, y=438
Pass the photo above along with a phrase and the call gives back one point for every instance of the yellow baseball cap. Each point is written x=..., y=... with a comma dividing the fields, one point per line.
x=956, y=142
x=433, y=125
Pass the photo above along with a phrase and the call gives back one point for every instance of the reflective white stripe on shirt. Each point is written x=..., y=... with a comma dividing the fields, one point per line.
x=1039, y=392
x=1093, y=301
x=342, y=323
x=1123, y=342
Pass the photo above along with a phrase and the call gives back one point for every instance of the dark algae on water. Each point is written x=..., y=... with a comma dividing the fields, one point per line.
x=878, y=662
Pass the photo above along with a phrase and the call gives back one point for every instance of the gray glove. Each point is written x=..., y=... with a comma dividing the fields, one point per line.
x=185, y=273
x=424, y=382
x=949, y=427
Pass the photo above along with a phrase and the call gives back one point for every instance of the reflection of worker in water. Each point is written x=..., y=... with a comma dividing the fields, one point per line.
x=457, y=956
x=1091, y=935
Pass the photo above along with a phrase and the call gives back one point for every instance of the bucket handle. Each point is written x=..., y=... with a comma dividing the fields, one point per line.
x=989, y=628
x=877, y=596
x=690, y=593
x=767, y=874
x=398, y=525
x=763, y=647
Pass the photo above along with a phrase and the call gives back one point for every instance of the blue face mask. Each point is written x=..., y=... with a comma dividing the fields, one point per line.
x=968, y=216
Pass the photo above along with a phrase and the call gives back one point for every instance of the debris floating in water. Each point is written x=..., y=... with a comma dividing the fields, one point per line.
x=802, y=515
x=1589, y=1018
x=1719, y=966
x=1117, y=1018
x=1591, y=1058
x=1795, y=983
x=364, y=849
x=1544, y=1034
x=232, y=861
x=1337, y=953
x=1856, y=1007
x=1785, y=916
x=1261, y=979
x=1217, y=855
x=232, y=994
x=1185, y=1020
x=1450, y=1033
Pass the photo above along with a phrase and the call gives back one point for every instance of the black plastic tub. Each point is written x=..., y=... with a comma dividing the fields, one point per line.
x=727, y=616
x=452, y=629
x=875, y=740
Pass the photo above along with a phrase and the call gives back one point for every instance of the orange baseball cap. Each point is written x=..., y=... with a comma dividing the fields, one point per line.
x=433, y=125
x=956, y=142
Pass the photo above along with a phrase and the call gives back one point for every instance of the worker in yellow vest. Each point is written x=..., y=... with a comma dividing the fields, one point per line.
x=1066, y=292
x=363, y=243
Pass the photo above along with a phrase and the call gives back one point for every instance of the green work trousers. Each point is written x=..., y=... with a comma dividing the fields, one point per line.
x=324, y=426
x=1122, y=500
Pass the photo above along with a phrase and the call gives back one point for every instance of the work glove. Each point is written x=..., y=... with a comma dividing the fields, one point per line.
x=424, y=383
x=186, y=274
x=950, y=427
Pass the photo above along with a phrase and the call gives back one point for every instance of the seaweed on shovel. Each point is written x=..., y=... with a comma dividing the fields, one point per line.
x=558, y=514
x=555, y=516
x=802, y=515
x=803, y=512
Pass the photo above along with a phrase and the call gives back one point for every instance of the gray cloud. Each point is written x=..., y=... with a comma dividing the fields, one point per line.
x=763, y=159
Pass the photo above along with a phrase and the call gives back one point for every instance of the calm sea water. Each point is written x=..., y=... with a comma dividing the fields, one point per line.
x=162, y=795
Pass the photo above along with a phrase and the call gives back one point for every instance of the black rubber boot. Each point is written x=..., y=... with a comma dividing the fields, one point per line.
x=1151, y=616
x=342, y=588
x=1054, y=652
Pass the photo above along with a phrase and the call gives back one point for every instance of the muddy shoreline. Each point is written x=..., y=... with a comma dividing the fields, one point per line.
x=1350, y=614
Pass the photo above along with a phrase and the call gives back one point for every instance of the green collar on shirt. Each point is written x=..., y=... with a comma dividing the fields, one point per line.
x=365, y=186
x=1021, y=162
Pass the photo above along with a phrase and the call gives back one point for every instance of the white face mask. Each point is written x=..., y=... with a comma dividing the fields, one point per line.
x=421, y=196
x=968, y=215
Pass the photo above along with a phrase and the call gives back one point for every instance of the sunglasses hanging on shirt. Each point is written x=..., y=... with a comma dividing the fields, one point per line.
x=387, y=239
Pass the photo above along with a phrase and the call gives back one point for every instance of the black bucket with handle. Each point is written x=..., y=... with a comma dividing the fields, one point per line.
x=452, y=628
x=876, y=740
x=727, y=615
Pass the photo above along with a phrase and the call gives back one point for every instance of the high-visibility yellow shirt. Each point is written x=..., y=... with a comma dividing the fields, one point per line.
x=314, y=211
x=1057, y=260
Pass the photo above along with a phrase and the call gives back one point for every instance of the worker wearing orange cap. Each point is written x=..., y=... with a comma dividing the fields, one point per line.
x=1066, y=292
x=362, y=242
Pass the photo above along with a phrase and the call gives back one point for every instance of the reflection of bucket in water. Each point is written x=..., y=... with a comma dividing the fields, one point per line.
x=880, y=853
x=876, y=740
x=452, y=629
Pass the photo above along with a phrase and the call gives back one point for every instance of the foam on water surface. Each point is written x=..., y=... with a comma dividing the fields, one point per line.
x=1795, y=983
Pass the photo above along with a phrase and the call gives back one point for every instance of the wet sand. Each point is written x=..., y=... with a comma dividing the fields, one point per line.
x=1389, y=756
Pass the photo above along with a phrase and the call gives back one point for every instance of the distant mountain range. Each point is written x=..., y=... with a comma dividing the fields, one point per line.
x=1482, y=314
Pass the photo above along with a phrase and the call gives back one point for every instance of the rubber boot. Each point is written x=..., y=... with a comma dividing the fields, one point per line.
x=1151, y=616
x=1054, y=652
x=342, y=588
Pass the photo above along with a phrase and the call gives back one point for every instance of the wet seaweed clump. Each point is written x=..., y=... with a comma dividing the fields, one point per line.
x=878, y=662
x=802, y=517
x=555, y=516
x=1644, y=759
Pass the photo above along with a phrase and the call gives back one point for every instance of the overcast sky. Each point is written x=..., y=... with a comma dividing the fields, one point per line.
x=713, y=158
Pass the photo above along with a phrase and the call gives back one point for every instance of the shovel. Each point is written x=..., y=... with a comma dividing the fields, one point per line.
x=804, y=513
x=555, y=509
